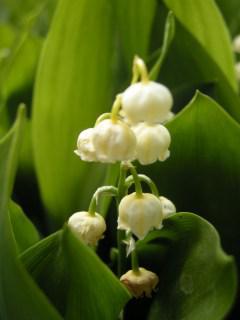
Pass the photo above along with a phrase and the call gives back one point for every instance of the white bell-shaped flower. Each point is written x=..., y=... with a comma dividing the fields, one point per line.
x=114, y=141
x=85, y=149
x=147, y=101
x=168, y=208
x=89, y=228
x=153, y=141
x=140, y=214
x=140, y=283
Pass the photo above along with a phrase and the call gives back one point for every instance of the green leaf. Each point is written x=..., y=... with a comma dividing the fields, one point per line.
x=192, y=62
x=75, y=279
x=17, y=72
x=205, y=23
x=25, y=233
x=73, y=87
x=18, y=293
x=169, y=31
x=203, y=174
x=231, y=12
x=196, y=276
x=20, y=67
x=135, y=20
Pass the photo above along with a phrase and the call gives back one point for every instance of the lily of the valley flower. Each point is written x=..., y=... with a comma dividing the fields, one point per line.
x=147, y=101
x=140, y=283
x=87, y=227
x=168, y=208
x=114, y=141
x=153, y=141
x=140, y=214
x=85, y=149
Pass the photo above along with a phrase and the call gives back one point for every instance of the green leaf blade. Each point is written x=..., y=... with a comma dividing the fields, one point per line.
x=196, y=276
x=204, y=159
x=74, y=278
x=73, y=87
x=18, y=293
x=135, y=19
x=24, y=231
x=204, y=21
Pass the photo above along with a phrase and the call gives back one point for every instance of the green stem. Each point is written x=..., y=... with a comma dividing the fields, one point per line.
x=137, y=182
x=92, y=206
x=121, y=233
x=142, y=177
x=140, y=68
x=134, y=261
x=121, y=182
x=115, y=108
x=104, y=190
x=102, y=117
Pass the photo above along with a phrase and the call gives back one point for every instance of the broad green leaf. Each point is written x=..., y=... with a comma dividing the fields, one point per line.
x=190, y=65
x=197, y=279
x=202, y=174
x=169, y=31
x=17, y=72
x=203, y=20
x=231, y=13
x=20, y=54
x=75, y=279
x=73, y=88
x=7, y=35
x=17, y=15
x=24, y=231
x=135, y=20
x=19, y=296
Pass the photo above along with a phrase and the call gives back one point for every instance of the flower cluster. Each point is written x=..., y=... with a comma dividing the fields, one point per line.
x=134, y=129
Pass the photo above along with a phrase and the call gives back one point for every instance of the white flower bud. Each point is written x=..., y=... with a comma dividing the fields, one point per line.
x=152, y=143
x=89, y=228
x=140, y=214
x=236, y=44
x=140, y=283
x=147, y=101
x=114, y=141
x=85, y=149
x=168, y=207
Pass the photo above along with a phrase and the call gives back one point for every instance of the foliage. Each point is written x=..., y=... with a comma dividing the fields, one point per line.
x=66, y=61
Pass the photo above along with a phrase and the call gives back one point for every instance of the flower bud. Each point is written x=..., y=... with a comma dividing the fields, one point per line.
x=140, y=283
x=89, y=228
x=152, y=143
x=147, y=101
x=85, y=149
x=140, y=214
x=114, y=141
x=168, y=208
